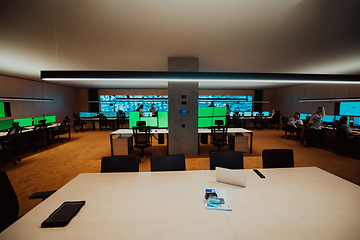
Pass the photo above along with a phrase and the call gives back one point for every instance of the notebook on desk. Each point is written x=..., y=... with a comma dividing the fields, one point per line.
x=238, y=178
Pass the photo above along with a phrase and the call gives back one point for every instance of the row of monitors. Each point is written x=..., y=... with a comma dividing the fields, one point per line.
x=5, y=109
x=330, y=119
x=249, y=114
x=25, y=122
x=161, y=121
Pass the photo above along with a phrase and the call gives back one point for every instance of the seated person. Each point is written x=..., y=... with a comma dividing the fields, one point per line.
x=140, y=110
x=295, y=123
x=353, y=138
x=152, y=109
x=313, y=133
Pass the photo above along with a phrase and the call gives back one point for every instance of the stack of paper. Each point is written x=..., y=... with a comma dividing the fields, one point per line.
x=217, y=199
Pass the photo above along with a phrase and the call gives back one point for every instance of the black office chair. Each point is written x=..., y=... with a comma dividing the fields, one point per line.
x=218, y=135
x=278, y=158
x=64, y=128
x=103, y=122
x=142, y=139
x=231, y=160
x=9, y=143
x=9, y=203
x=120, y=118
x=122, y=163
x=175, y=162
x=78, y=122
x=275, y=120
x=287, y=128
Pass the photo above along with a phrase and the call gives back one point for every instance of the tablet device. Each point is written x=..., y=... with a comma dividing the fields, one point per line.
x=62, y=216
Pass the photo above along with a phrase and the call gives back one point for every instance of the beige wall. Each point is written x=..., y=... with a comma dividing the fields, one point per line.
x=63, y=105
x=286, y=99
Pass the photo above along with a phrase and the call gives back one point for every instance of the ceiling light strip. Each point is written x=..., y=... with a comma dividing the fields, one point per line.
x=329, y=99
x=27, y=99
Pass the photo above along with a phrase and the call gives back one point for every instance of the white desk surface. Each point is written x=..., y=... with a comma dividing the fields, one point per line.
x=165, y=130
x=296, y=203
x=29, y=129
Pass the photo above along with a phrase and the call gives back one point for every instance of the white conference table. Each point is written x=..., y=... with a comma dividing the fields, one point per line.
x=294, y=203
x=129, y=131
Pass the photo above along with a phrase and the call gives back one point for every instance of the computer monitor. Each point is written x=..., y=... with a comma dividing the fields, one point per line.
x=247, y=114
x=109, y=114
x=6, y=124
x=266, y=114
x=163, y=121
x=50, y=119
x=303, y=116
x=255, y=113
x=219, y=111
x=350, y=108
x=147, y=114
x=133, y=118
x=328, y=119
x=24, y=122
x=206, y=111
x=356, y=122
x=150, y=121
x=88, y=114
x=337, y=118
x=37, y=119
x=205, y=122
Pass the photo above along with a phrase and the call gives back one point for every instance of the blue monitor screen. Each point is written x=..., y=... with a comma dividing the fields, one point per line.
x=303, y=116
x=266, y=114
x=350, y=108
x=88, y=114
x=356, y=122
x=337, y=118
x=328, y=119
x=109, y=114
x=247, y=114
x=255, y=113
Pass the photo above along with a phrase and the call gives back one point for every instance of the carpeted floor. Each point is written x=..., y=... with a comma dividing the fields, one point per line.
x=52, y=168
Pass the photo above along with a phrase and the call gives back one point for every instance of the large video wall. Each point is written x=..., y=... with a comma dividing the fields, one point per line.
x=129, y=103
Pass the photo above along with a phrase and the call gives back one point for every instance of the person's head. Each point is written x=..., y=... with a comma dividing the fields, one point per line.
x=212, y=104
x=152, y=106
x=343, y=120
x=297, y=115
x=320, y=111
x=227, y=106
x=141, y=106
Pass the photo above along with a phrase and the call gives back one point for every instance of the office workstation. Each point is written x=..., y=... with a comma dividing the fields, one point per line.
x=183, y=61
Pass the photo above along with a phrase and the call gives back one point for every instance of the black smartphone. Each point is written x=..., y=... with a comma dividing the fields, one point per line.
x=62, y=216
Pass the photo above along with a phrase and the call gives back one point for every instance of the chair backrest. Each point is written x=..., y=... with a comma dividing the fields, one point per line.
x=284, y=120
x=13, y=132
x=9, y=204
x=218, y=134
x=175, y=162
x=341, y=134
x=278, y=158
x=122, y=163
x=64, y=126
x=231, y=160
x=140, y=123
x=141, y=134
x=120, y=114
x=76, y=118
x=219, y=122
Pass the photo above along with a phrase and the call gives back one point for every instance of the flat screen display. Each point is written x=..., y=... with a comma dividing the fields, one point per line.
x=350, y=108
x=205, y=122
x=337, y=118
x=37, y=119
x=163, y=119
x=219, y=111
x=5, y=109
x=205, y=111
x=356, y=122
x=6, y=124
x=328, y=119
x=50, y=119
x=255, y=113
x=303, y=116
x=133, y=118
x=109, y=114
x=266, y=114
x=88, y=114
x=24, y=122
x=247, y=114
x=150, y=121
x=218, y=118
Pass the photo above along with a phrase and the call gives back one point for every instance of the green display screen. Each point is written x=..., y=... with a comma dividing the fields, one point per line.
x=218, y=118
x=219, y=111
x=2, y=109
x=205, y=111
x=6, y=124
x=24, y=122
x=150, y=121
x=204, y=122
x=37, y=119
x=50, y=119
x=163, y=121
x=133, y=118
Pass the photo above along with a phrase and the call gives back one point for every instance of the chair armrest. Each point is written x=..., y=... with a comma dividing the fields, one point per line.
x=43, y=195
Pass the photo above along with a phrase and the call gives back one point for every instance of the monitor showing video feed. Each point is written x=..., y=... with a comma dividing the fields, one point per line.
x=24, y=122
x=350, y=108
x=247, y=114
x=205, y=122
x=219, y=111
x=50, y=119
x=205, y=111
x=133, y=118
x=37, y=119
x=328, y=119
x=266, y=114
x=88, y=114
x=150, y=121
x=356, y=122
x=163, y=119
x=5, y=109
x=6, y=124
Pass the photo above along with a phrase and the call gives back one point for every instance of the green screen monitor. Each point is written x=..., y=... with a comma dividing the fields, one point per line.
x=2, y=109
x=163, y=121
x=204, y=122
x=50, y=119
x=6, y=124
x=24, y=122
x=206, y=111
x=150, y=121
x=37, y=119
x=133, y=118
x=219, y=112
x=5, y=109
x=218, y=118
